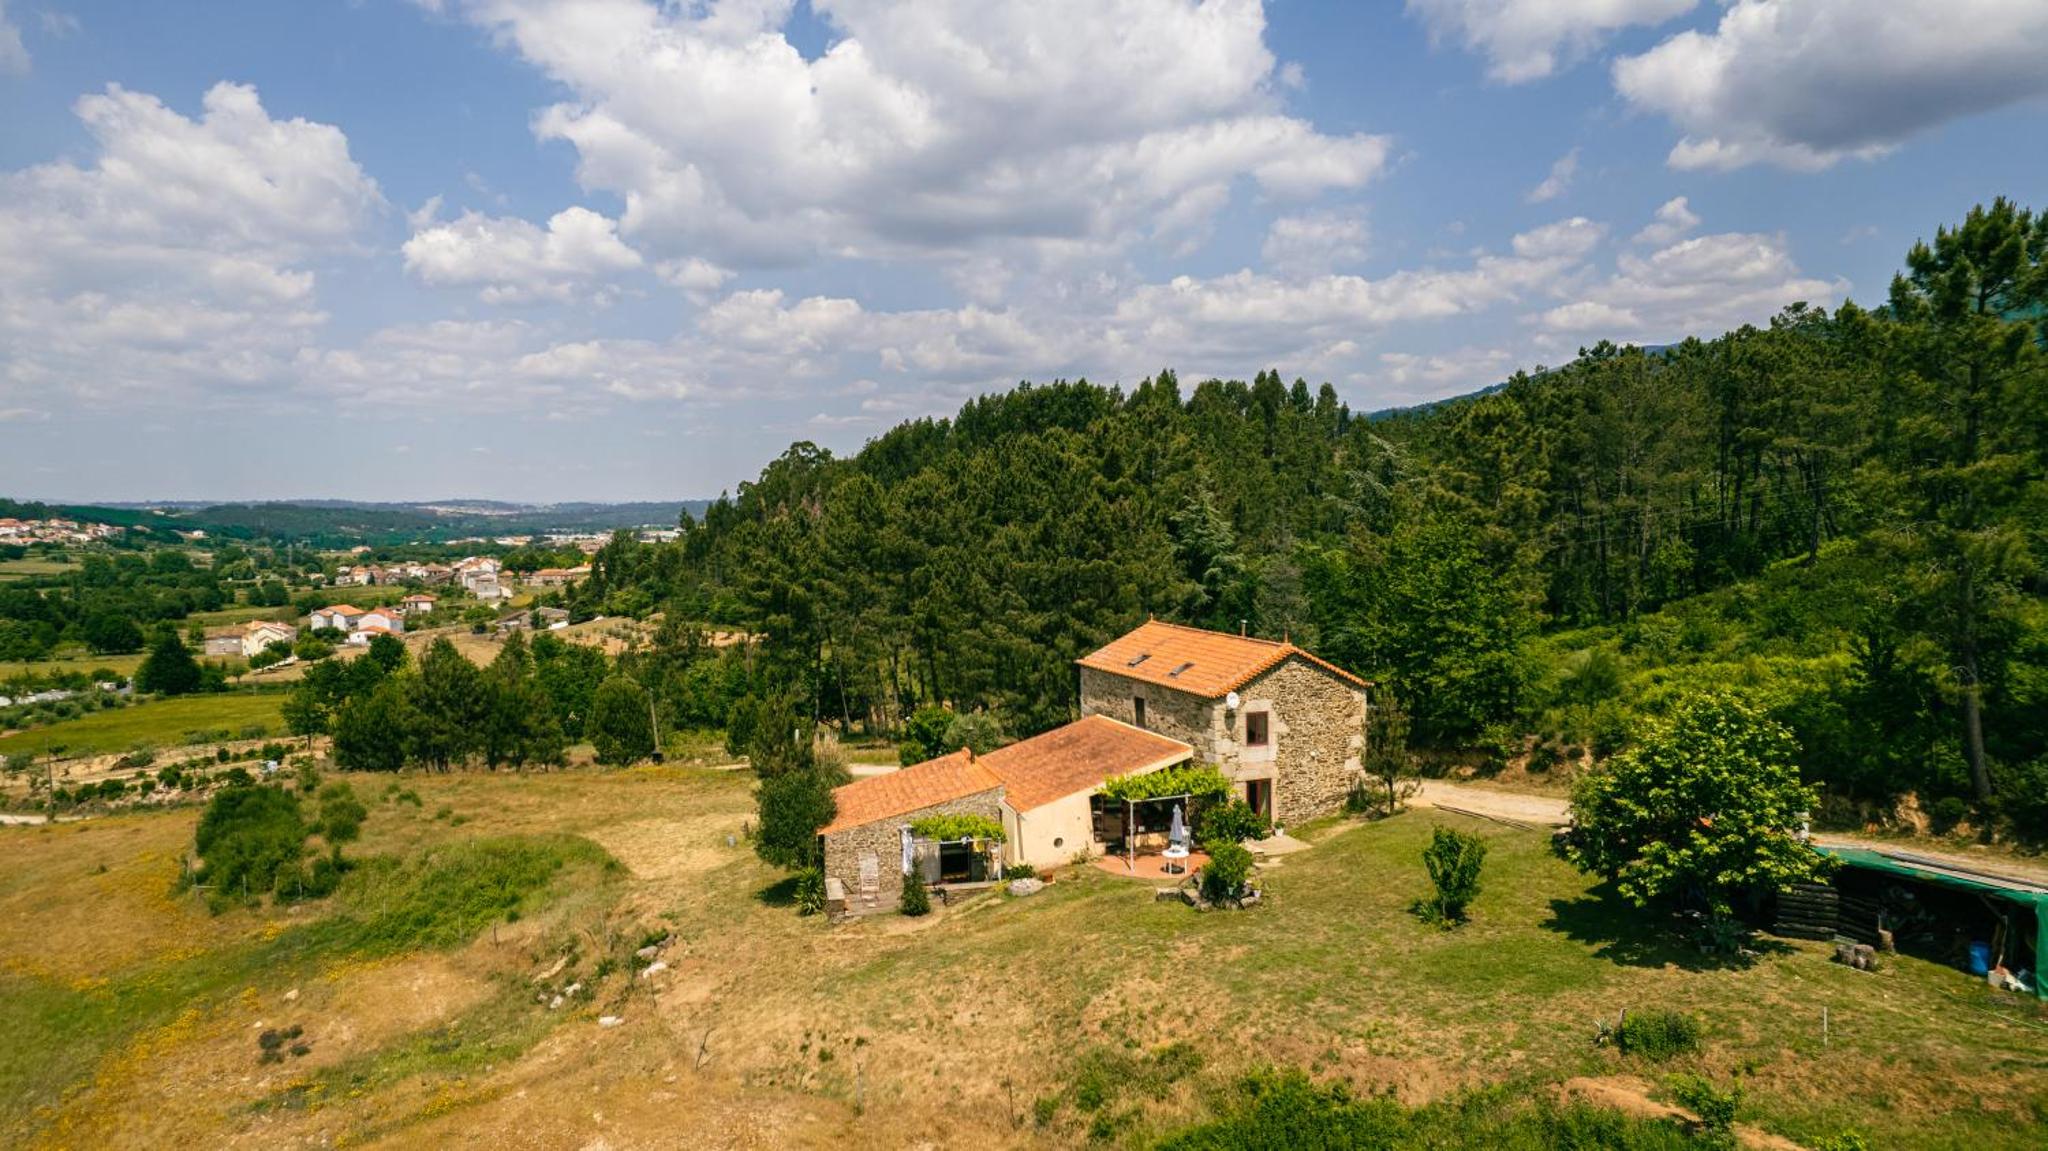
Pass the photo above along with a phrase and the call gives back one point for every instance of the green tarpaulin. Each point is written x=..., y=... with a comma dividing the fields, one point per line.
x=2033, y=898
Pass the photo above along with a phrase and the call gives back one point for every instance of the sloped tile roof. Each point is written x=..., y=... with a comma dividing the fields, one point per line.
x=1197, y=661
x=1078, y=757
x=913, y=788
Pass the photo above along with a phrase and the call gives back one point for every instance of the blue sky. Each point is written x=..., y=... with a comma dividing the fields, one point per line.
x=619, y=249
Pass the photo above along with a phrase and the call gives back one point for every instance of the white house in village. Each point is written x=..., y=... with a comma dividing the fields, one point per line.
x=340, y=617
x=260, y=634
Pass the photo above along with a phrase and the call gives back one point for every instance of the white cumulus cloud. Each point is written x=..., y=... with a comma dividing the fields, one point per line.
x=176, y=258
x=1525, y=40
x=924, y=129
x=514, y=261
x=1701, y=286
x=1314, y=242
x=1804, y=84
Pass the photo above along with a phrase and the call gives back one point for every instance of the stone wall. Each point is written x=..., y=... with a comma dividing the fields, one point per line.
x=1191, y=719
x=1316, y=730
x=1318, y=737
x=884, y=838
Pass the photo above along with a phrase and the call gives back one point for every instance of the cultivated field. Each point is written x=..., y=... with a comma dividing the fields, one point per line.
x=996, y=1023
x=123, y=665
x=37, y=566
x=155, y=723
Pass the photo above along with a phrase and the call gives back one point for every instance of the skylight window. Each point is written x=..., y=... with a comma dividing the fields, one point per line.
x=1142, y=657
x=1181, y=668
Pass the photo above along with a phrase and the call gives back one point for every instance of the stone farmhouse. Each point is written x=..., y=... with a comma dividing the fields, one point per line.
x=1285, y=727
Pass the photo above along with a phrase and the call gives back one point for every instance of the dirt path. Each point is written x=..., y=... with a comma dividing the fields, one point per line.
x=1537, y=810
x=1553, y=811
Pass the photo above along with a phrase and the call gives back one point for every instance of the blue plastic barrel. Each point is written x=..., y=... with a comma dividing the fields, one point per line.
x=1980, y=957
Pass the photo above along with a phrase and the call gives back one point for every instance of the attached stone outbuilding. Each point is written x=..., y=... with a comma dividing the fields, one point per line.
x=864, y=843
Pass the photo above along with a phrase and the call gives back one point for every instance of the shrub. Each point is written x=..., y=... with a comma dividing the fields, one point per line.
x=1947, y=812
x=445, y=897
x=1453, y=859
x=1658, y=1035
x=1020, y=871
x=810, y=891
x=246, y=838
x=916, y=899
x=1715, y=1107
x=1225, y=875
x=1232, y=822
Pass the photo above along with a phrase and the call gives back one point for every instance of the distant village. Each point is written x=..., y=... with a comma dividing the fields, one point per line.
x=13, y=531
x=482, y=578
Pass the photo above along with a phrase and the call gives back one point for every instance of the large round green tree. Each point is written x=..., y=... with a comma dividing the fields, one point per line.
x=1707, y=806
x=169, y=668
x=621, y=726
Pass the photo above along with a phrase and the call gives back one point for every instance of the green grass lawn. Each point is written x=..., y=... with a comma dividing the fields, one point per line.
x=962, y=1028
x=235, y=615
x=156, y=723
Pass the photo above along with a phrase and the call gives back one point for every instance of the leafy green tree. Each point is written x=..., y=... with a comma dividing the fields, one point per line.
x=169, y=668
x=1706, y=807
x=305, y=713
x=620, y=726
x=1972, y=298
x=569, y=674
x=106, y=633
x=387, y=652
x=980, y=731
x=1434, y=616
x=519, y=726
x=1388, y=761
x=373, y=730
x=449, y=706
x=781, y=742
x=1453, y=860
x=924, y=735
x=793, y=807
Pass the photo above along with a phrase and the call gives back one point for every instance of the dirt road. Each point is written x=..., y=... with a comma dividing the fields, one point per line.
x=1553, y=811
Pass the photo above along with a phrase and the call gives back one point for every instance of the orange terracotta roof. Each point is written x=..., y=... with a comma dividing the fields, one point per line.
x=343, y=608
x=1197, y=661
x=913, y=788
x=1078, y=757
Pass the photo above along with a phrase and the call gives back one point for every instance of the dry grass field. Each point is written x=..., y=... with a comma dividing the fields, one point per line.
x=129, y=1015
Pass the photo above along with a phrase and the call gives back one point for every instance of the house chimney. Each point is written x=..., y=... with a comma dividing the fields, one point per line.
x=1240, y=627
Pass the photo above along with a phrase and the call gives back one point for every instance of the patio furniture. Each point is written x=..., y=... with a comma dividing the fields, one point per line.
x=1176, y=852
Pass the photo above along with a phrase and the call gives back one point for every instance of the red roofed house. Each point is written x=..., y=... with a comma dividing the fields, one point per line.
x=1286, y=727
x=340, y=617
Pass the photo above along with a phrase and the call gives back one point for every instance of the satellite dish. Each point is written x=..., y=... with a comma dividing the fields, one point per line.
x=1230, y=701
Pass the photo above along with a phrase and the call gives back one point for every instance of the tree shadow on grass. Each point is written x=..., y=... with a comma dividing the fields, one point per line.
x=781, y=893
x=1621, y=932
